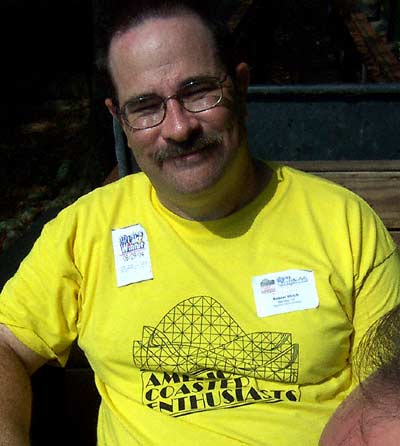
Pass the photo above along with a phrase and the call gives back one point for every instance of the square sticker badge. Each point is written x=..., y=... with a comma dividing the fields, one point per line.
x=285, y=291
x=131, y=255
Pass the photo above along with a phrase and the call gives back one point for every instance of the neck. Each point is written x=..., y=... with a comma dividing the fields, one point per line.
x=229, y=195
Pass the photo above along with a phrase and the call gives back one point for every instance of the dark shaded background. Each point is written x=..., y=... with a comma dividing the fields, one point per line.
x=56, y=134
x=57, y=140
x=54, y=127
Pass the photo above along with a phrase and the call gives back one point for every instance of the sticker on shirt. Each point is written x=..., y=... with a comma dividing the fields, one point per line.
x=131, y=255
x=285, y=291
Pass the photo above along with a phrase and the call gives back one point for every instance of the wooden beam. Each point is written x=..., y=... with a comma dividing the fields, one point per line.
x=396, y=237
x=378, y=182
x=112, y=176
x=346, y=165
x=381, y=64
x=380, y=189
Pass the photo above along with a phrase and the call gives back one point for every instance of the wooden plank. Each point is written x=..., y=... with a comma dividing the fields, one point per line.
x=396, y=237
x=346, y=165
x=373, y=49
x=377, y=181
x=323, y=166
x=380, y=189
x=112, y=176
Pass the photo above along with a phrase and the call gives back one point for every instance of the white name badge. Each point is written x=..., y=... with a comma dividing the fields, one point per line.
x=131, y=255
x=285, y=291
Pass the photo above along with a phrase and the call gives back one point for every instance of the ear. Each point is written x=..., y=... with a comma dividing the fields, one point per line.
x=113, y=111
x=111, y=108
x=242, y=73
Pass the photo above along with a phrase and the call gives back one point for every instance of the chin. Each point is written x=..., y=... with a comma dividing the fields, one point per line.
x=198, y=187
x=194, y=180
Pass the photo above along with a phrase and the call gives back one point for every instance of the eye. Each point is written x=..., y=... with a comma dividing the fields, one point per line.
x=143, y=106
x=198, y=90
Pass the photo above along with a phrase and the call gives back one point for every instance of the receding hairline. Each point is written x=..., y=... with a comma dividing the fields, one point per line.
x=142, y=21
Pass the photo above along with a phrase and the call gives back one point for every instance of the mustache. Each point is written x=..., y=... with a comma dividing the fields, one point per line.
x=173, y=150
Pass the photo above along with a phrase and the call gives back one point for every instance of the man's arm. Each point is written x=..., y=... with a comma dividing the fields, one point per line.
x=17, y=363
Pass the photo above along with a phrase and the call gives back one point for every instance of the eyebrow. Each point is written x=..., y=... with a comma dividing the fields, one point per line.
x=148, y=95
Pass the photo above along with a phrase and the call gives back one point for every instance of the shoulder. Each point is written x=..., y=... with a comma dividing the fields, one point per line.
x=317, y=183
x=106, y=207
x=339, y=211
x=132, y=187
x=317, y=190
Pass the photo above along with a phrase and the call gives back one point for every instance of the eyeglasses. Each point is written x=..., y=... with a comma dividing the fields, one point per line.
x=196, y=96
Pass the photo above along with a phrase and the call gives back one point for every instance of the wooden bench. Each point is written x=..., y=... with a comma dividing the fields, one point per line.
x=378, y=182
x=346, y=133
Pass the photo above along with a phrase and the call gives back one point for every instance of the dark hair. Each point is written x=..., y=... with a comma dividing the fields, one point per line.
x=375, y=402
x=379, y=348
x=377, y=364
x=126, y=14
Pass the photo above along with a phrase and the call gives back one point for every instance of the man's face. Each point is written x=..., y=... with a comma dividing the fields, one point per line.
x=158, y=57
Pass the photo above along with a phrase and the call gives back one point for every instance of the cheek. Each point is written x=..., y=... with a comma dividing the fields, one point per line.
x=143, y=143
x=218, y=119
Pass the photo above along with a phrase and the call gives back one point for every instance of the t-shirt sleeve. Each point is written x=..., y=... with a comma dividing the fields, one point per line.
x=40, y=303
x=378, y=294
x=377, y=278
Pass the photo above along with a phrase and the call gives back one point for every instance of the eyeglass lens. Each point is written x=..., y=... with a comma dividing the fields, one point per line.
x=195, y=97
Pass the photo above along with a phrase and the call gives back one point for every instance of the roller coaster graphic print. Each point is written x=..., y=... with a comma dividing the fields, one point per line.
x=199, y=335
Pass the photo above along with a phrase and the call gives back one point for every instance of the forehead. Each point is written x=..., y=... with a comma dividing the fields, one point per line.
x=159, y=54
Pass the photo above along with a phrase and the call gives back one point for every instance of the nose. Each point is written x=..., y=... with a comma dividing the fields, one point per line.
x=179, y=124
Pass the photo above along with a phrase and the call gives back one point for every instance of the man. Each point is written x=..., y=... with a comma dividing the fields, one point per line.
x=371, y=413
x=210, y=281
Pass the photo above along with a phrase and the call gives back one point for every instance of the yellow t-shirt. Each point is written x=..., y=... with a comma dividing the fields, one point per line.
x=185, y=355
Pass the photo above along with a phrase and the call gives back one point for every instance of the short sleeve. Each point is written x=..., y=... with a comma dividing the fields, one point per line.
x=379, y=293
x=40, y=303
x=377, y=273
